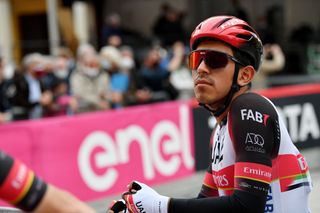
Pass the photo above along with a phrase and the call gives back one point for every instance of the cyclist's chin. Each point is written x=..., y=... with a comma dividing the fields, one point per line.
x=208, y=97
x=204, y=98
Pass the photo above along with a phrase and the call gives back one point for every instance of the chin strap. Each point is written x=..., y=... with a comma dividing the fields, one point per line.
x=234, y=88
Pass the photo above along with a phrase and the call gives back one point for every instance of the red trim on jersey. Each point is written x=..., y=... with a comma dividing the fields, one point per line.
x=224, y=178
x=265, y=119
x=288, y=168
x=17, y=184
x=288, y=165
x=253, y=171
x=287, y=91
x=208, y=181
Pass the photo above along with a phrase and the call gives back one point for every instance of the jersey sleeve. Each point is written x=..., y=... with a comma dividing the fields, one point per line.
x=18, y=184
x=254, y=130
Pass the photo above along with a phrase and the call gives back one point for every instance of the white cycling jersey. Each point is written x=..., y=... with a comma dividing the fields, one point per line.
x=252, y=151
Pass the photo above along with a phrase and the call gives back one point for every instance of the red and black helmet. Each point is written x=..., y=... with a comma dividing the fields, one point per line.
x=233, y=31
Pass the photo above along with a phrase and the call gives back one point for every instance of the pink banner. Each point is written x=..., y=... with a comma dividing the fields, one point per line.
x=98, y=154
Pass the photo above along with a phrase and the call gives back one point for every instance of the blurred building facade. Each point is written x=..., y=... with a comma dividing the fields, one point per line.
x=43, y=25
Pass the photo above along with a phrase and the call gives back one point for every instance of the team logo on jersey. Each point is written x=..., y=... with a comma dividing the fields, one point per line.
x=249, y=114
x=217, y=155
x=254, y=139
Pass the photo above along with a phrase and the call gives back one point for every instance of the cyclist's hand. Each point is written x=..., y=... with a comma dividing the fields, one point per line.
x=142, y=198
x=117, y=206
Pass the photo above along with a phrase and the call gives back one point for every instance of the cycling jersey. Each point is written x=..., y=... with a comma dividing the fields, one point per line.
x=18, y=184
x=255, y=166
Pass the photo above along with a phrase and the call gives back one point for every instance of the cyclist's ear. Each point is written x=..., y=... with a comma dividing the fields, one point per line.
x=246, y=75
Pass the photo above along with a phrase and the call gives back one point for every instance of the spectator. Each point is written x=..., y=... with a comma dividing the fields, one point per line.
x=112, y=30
x=238, y=11
x=60, y=72
x=30, y=97
x=168, y=27
x=48, y=68
x=128, y=64
x=111, y=61
x=5, y=114
x=64, y=52
x=62, y=102
x=84, y=50
x=153, y=80
x=180, y=76
x=89, y=84
x=273, y=61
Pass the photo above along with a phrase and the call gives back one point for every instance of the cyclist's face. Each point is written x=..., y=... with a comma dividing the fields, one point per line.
x=211, y=85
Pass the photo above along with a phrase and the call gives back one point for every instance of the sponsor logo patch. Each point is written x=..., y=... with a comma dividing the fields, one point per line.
x=249, y=114
x=254, y=139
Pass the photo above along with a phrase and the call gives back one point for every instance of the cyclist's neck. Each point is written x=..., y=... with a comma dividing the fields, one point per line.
x=221, y=118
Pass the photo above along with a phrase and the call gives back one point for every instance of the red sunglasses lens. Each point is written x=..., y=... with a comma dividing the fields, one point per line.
x=194, y=60
x=213, y=59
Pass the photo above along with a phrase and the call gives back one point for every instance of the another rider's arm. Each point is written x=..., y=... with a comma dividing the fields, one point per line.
x=253, y=164
x=59, y=201
x=20, y=187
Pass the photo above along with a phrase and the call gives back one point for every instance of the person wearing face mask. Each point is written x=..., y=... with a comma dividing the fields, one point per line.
x=128, y=63
x=58, y=82
x=88, y=85
x=112, y=63
x=28, y=95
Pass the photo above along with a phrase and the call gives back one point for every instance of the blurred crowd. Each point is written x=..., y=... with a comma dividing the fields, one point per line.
x=92, y=79
x=111, y=78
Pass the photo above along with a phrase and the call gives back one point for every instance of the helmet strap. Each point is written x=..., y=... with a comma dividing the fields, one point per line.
x=235, y=87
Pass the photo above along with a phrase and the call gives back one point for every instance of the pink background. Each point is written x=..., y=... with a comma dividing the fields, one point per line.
x=51, y=146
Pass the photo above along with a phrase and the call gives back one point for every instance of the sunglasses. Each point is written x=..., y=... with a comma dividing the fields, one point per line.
x=212, y=58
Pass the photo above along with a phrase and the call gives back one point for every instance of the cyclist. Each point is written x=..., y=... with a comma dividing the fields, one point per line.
x=255, y=166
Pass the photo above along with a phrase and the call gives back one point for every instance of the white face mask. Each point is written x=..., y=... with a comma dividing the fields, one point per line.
x=61, y=73
x=8, y=71
x=127, y=63
x=90, y=72
x=105, y=64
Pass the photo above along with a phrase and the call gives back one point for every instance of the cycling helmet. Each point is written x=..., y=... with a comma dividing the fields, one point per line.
x=233, y=31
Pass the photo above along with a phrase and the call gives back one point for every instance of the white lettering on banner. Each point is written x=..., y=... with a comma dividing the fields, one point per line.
x=302, y=121
x=135, y=133
x=309, y=123
x=170, y=146
x=185, y=136
x=176, y=145
x=108, y=159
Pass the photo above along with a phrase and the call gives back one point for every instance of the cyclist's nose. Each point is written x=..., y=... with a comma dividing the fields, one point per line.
x=203, y=68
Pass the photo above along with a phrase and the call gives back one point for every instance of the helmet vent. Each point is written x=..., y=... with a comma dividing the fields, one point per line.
x=249, y=29
x=243, y=36
x=221, y=22
x=199, y=26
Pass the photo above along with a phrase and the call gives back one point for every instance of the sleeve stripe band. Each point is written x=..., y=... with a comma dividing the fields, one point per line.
x=253, y=171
